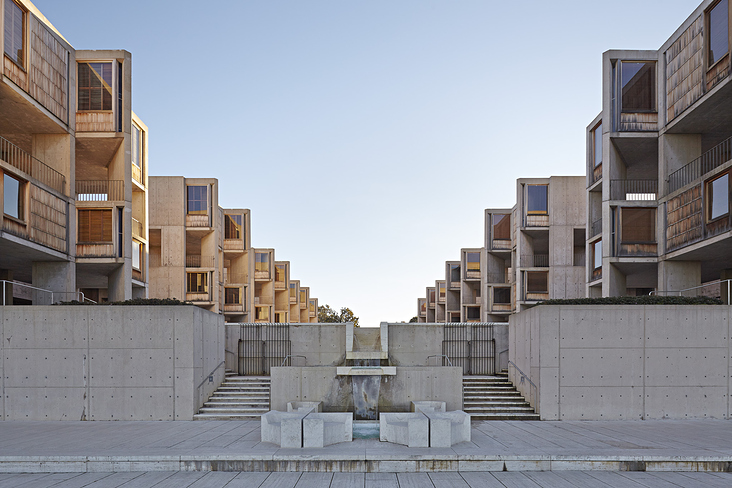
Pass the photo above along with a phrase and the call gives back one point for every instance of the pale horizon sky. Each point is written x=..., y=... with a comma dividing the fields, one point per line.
x=367, y=138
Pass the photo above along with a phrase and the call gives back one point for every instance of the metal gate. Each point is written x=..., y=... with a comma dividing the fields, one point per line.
x=470, y=346
x=262, y=346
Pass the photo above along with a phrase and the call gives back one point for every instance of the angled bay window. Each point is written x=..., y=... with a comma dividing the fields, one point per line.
x=13, y=197
x=137, y=255
x=638, y=225
x=597, y=260
x=472, y=264
x=95, y=87
x=262, y=314
x=233, y=296
x=293, y=292
x=441, y=292
x=303, y=297
x=501, y=296
x=537, y=282
x=537, y=199
x=280, y=273
x=95, y=225
x=597, y=145
x=501, y=227
x=638, y=86
x=718, y=32
x=232, y=226
x=718, y=197
x=14, y=32
x=197, y=200
x=138, y=141
x=261, y=262
x=454, y=274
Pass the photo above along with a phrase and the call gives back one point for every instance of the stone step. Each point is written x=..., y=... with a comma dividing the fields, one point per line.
x=243, y=388
x=263, y=404
x=498, y=409
x=501, y=394
x=239, y=396
x=502, y=416
x=233, y=410
x=496, y=403
x=209, y=416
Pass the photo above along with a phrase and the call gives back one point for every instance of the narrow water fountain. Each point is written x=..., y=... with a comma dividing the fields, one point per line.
x=367, y=358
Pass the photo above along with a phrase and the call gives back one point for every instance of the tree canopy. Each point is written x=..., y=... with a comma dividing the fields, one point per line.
x=328, y=315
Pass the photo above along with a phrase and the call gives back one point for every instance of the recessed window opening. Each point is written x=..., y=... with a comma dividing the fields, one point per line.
x=232, y=226
x=718, y=195
x=95, y=86
x=537, y=196
x=197, y=201
x=12, y=197
x=14, y=32
x=638, y=226
x=501, y=227
x=718, y=32
x=597, y=145
x=638, y=86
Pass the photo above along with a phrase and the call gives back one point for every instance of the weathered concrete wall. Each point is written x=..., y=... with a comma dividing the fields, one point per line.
x=108, y=363
x=309, y=384
x=624, y=362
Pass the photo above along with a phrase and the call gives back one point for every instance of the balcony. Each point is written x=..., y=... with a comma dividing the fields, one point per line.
x=196, y=220
x=472, y=274
x=138, y=230
x=100, y=190
x=634, y=190
x=233, y=307
x=233, y=245
x=198, y=297
x=534, y=260
x=501, y=244
x=710, y=160
x=199, y=261
x=36, y=169
x=497, y=278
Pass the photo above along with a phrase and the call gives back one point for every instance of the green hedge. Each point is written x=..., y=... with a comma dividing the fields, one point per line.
x=641, y=300
x=133, y=301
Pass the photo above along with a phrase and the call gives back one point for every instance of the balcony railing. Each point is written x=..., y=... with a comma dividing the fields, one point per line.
x=137, y=229
x=596, y=228
x=713, y=158
x=634, y=190
x=535, y=260
x=17, y=158
x=100, y=190
x=199, y=261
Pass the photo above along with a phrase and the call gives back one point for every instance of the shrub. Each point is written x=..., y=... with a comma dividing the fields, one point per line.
x=641, y=300
x=133, y=301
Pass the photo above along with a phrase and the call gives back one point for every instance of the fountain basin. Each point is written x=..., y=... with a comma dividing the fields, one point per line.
x=366, y=370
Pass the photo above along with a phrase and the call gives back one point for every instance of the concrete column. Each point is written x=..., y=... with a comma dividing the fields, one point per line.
x=57, y=276
x=6, y=275
x=724, y=288
x=678, y=275
x=615, y=282
x=119, y=287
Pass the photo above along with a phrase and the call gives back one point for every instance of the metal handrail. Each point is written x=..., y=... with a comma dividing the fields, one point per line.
x=729, y=292
x=22, y=160
x=710, y=160
x=525, y=377
x=439, y=356
x=209, y=377
x=25, y=285
x=289, y=356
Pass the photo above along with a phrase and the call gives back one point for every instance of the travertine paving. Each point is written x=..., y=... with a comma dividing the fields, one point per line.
x=549, y=479
x=691, y=445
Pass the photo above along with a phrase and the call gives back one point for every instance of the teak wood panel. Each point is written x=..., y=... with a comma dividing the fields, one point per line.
x=197, y=220
x=48, y=219
x=638, y=249
x=684, y=217
x=684, y=69
x=638, y=122
x=718, y=72
x=94, y=122
x=49, y=69
x=16, y=74
x=17, y=229
x=537, y=220
x=95, y=250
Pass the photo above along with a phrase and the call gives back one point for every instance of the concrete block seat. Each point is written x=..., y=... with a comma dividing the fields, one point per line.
x=309, y=406
x=409, y=429
x=446, y=428
x=283, y=428
x=324, y=429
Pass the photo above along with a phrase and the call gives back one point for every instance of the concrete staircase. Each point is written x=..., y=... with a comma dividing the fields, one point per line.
x=238, y=398
x=494, y=398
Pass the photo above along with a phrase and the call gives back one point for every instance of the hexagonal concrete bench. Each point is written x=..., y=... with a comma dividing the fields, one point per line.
x=409, y=429
x=283, y=428
x=324, y=429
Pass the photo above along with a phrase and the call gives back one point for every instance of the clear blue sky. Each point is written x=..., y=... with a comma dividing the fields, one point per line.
x=367, y=137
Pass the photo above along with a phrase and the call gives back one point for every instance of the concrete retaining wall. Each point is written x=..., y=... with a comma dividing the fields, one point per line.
x=410, y=384
x=624, y=362
x=108, y=362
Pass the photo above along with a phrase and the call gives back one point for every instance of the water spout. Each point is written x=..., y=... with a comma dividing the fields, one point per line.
x=366, y=391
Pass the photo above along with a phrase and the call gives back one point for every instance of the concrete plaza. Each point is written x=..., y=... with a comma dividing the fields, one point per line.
x=53, y=447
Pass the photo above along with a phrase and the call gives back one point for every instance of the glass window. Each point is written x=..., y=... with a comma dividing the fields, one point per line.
x=441, y=288
x=14, y=35
x=718, y=32
x=422, y=306
x=197, y=283
x=198, y=200
x=537, y=199
x=501, y=227
x=293, y=290
x=597, y=254
x=12, y=197
x=638, y=225
x=136, y=255
x=303, y=296
x=312, y=306
x=455, y=273
x=232, y=295
x=472, y=261
x=136, y=146
x=95, y=86
x=95, y=225
x=718, y=197
x=263, y=313
x=502, y=295
x=232, y=226
x=280, y=272
x=280, y=317
x=536, y=282
x=432, y=297
x=597, y=145
x=638, y=86
x=261, y=261
x=473, y=313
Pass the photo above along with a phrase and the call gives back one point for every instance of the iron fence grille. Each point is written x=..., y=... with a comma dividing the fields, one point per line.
x=277, y=346
x=262, y=346
x=471, y=347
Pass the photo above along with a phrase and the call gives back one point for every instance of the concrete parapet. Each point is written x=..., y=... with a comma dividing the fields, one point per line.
x=409, y=429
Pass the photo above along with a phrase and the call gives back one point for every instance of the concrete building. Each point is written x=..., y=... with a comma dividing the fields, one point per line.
x=532, y=252
x=73, y=162
x=658, y=162
x=202, y=253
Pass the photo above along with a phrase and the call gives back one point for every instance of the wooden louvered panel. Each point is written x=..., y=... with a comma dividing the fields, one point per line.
x=95, y=225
